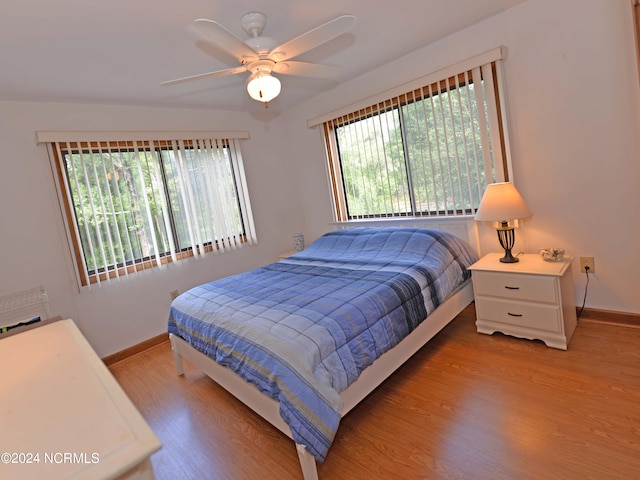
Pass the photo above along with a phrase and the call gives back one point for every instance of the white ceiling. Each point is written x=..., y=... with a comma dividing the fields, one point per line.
x=119, y=51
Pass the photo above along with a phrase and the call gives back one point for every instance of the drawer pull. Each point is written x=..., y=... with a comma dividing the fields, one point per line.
x=511, y=288
x=514, y=314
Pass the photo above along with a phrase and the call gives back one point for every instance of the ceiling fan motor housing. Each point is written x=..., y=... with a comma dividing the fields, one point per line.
x=262, y=45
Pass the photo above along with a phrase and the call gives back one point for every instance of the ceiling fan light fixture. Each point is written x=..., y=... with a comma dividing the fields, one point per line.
x=262, y=55
x=263, y=87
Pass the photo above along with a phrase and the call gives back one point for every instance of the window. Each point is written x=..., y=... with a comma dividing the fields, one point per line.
x=422, y=150
x=136, y=204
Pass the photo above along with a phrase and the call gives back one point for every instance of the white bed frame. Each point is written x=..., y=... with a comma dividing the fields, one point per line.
x=370, y=378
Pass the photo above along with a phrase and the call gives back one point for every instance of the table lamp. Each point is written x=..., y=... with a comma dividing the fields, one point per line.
x=503, y=203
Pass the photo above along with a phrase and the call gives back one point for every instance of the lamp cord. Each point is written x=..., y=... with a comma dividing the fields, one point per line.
x=584, y=300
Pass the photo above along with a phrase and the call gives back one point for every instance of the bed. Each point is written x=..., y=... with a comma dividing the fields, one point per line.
x=301, y=341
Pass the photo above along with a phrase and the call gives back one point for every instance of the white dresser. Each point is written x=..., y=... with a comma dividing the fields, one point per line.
x=63, y=415
x=531, y=299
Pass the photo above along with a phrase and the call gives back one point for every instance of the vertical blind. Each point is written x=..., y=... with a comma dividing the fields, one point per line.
x=425, y=148
x=134, y=201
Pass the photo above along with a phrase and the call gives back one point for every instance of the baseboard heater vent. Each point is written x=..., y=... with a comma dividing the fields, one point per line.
x=23, y=308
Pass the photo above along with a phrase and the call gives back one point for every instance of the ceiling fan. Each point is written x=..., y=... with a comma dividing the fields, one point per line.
x=262, y=56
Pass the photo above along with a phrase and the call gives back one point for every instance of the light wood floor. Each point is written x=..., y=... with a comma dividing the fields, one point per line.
x=466, y=406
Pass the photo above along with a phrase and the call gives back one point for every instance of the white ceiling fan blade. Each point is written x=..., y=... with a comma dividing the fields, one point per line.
x=304, y=69
x=224, y=39
x=219, y=73
x=313, y=38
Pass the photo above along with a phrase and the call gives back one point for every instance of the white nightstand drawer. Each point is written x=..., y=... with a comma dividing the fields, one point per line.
x=523, y=314
x=535, y=288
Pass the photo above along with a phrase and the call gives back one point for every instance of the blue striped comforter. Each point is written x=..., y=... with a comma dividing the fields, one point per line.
x=303, y=329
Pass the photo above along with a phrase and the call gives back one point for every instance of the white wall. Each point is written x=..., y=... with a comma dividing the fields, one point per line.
x=33, y=242
x=573, y=100
x=574, y=107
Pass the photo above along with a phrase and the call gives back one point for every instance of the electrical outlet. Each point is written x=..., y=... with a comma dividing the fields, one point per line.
x=174, y=294
x=587, y=262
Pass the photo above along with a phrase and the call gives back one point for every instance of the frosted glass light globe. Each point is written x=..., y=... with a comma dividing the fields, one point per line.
x=263, y=87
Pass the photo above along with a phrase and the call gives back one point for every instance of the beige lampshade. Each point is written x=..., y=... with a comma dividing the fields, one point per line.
x=501, y=202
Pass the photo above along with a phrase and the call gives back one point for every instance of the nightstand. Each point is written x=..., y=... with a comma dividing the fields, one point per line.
x=530, y=299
